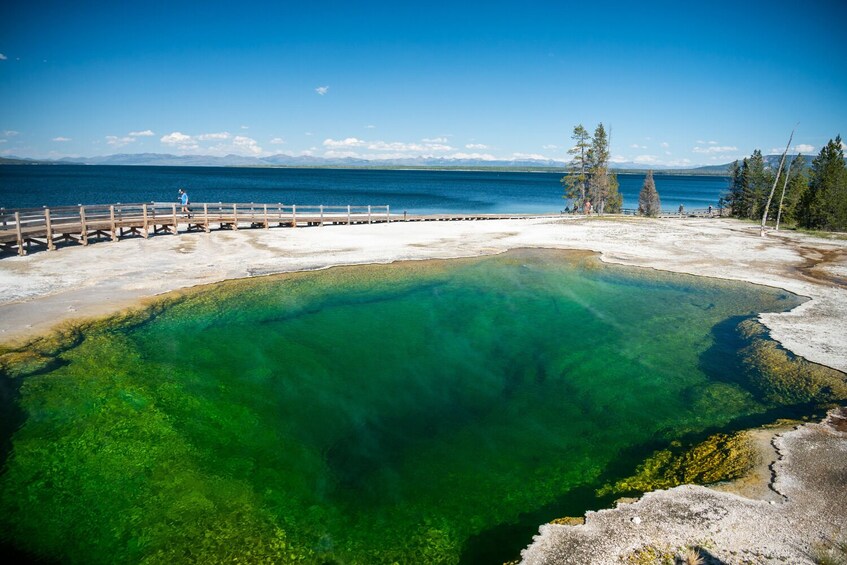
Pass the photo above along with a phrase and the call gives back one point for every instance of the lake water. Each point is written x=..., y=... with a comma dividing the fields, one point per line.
x=419, y=412
x=416, y=191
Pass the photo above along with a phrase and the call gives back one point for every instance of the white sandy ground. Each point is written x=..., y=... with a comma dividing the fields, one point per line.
x=802, y=515
x=39, y=290
x=44, y=289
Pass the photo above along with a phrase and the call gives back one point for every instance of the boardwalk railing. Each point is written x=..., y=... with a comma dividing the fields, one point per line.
x=22, y=228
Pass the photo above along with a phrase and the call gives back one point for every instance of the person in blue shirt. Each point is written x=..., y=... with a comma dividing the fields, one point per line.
x=183, y=199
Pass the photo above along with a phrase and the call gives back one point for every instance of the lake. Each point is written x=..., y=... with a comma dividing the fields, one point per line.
x=415, y=191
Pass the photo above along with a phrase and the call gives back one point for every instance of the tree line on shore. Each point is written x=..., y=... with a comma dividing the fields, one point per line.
x=811, y=197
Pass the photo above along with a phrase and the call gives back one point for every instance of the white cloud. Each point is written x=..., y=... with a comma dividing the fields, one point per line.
x=636, y=146
x=531, y=156
x=801, y=148
x=408, y=147
x=479, y=156
x=245, y=127
x=176, y=138
x=715, y=149
x=145, y=133
x=701, y=142
x=60, y=139
x=277, y=141
x=116, y=141
x=180, y=141
x=349, y=142
x=322, y=90
x=213, y=136
x=3, y=57
x=10, y=133
x=713, y=143
x=370, y=126
x=394, y=146
x=646, y=159
x=332, y=154
x=247, y=144
x=240, y=145
x=665, y=144
x=435, y=140
x=549, y=147
x=476, y=146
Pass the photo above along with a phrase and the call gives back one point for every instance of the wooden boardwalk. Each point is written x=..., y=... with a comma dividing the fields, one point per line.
x=24, y=229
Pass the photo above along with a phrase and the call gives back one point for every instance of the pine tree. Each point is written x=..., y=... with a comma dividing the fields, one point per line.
x=757, y=182
x=796, y=186
x=649, y=203
x=576, y=180
x=824, y=204
x=749, y=185
x=602, y=186
x=733, y=197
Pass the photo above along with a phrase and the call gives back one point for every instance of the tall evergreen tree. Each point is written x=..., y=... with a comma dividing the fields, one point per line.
x=749, y=185
x=649, y=203
x=602, y=185
x=756, y=185
x=796, y=185
x=733, y=197
x=824, y=204
x=576, y=179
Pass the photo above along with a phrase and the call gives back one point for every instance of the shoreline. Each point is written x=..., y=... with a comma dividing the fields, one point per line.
x=44, y=291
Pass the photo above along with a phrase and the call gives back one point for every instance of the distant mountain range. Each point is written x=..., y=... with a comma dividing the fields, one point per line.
x=282, y=160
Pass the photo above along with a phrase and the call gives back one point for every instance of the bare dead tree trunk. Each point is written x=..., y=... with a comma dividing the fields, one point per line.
x=781, y=198
x=773, y=188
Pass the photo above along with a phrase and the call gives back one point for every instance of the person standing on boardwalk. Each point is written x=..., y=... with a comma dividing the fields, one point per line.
x=183, y=199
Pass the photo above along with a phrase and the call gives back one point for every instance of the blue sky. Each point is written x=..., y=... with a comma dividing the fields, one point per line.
x=679, y=83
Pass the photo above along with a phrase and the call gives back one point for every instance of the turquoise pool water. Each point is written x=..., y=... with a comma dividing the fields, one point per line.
x=394, y=413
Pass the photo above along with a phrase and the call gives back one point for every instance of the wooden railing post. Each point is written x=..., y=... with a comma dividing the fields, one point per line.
x=369, y=213
x=235, y=216
x=388, y=213
x=83, y=225
x=266, y=216
x=322, y=215
x=348, y=214
x=145, y=224
x=50, y=245
x=173, y=211
x=112, y=219
x=206, y=216
x=293, y=215
x=19, y=234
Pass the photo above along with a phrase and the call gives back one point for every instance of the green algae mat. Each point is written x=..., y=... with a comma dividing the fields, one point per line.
x=398, y=413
